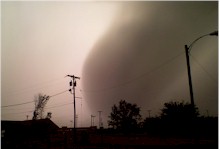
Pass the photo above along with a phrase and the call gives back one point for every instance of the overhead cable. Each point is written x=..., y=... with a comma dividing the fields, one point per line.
x=28, y=102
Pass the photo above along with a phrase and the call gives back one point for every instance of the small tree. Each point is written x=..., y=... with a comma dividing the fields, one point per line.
x=125, y=116
x=40, y=103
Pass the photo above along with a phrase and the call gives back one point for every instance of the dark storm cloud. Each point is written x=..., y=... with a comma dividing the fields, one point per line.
x=141, y=57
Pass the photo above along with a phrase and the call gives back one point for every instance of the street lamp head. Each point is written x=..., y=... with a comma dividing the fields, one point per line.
x=215, y=33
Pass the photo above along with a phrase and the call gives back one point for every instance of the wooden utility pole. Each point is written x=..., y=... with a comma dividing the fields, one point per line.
x=73, y=84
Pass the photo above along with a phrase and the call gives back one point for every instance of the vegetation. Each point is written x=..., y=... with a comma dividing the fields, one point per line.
x=125, y=116
x=177, y=119
x=179, y=111
x=40, y=103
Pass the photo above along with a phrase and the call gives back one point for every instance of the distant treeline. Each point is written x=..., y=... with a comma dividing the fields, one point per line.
x=177, y=119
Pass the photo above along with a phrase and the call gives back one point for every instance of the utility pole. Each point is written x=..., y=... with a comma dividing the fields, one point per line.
x=100, y=119
x=73, y=84
x=92, y=120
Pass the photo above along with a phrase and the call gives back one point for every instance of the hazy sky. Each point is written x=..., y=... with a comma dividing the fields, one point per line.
x=121, y=50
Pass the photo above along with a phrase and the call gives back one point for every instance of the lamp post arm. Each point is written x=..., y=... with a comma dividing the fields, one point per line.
x=215, y=33
x=190, y=46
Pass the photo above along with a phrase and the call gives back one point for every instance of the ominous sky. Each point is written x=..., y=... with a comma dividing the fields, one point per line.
x=121, y=50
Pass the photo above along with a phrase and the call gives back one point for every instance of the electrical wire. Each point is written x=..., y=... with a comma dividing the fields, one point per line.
x=138, y=77
x=12, y=105
x=42, y=85
x=210, y=76
x=33, y=110
x=58, y=105
x=28, y=102
x=58, y=93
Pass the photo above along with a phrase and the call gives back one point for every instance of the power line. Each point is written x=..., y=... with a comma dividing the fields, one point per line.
x=138, y=77
x=23, y=103
x=44, y=84
x=211, y=77
x=58, y=106
x=33, y=110
x=58, y=93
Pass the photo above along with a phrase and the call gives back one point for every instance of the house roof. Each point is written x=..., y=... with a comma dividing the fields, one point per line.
x=42, y=124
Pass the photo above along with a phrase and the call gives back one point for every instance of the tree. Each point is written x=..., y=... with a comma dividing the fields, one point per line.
x=179, y=111
x=125, y=116
x=179, y=118
x=40, y=102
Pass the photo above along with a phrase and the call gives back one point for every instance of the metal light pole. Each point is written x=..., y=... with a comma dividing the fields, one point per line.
x=187, y=50
x=73, y=84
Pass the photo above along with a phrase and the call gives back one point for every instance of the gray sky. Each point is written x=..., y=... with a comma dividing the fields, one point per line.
x=121, y=50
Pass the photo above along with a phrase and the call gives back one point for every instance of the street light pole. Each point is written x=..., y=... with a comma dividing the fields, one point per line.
x=189, y=75
x=187, y=51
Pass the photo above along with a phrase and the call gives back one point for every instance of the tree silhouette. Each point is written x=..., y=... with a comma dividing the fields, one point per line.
x=40, y=102
x=125, y=116
x=179, y=111
x=178, y=118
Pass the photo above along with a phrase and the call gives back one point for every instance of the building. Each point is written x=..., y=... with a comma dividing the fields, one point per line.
x=27, y=134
